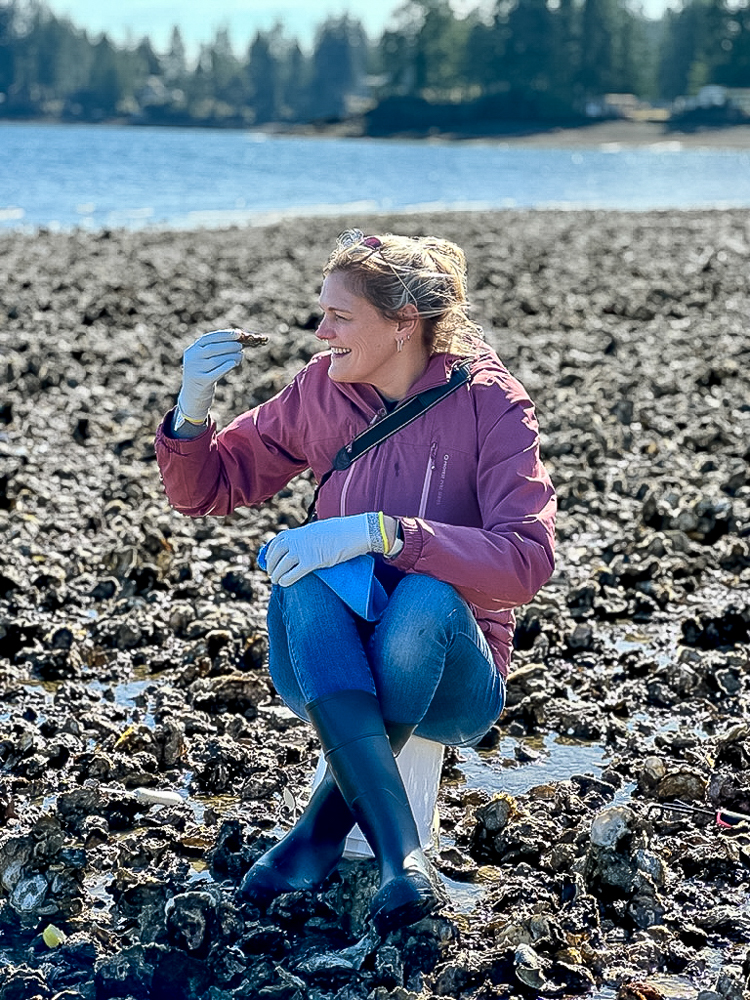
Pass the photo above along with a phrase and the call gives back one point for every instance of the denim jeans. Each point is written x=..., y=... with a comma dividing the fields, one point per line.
x=426, y=658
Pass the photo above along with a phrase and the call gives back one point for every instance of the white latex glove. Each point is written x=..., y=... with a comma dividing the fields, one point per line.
x=298, y=551
x=203, y=364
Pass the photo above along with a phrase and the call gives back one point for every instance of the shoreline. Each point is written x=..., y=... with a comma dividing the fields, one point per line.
x=410, y=219
x=624, y=132
x=633, y=134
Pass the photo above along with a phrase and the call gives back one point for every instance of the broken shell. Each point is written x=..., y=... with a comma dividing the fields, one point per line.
x=157, y=797
x=684, y=785
x=53, y=937
x=528, y=967
x=29, y=894
x=610, y=826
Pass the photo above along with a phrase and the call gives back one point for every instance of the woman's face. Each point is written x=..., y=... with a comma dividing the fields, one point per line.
x=363, y=343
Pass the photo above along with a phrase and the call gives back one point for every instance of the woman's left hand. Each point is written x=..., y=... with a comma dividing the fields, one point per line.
x=298, y=551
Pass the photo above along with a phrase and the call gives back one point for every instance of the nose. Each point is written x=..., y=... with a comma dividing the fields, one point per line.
x=322, y=331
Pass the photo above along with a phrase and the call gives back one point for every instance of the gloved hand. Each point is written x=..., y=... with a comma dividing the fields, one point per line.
x=203, y=364
x=298, y=551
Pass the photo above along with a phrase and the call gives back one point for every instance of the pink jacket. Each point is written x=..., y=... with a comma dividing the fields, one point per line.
x=476, y=504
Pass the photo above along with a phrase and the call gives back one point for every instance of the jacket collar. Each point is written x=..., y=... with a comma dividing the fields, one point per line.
x=436, y=373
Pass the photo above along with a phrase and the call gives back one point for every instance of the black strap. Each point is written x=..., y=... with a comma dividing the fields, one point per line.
x=403, y=415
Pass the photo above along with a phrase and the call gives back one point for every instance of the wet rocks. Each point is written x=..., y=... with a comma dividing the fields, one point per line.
x=133, y=646
x=621, y=870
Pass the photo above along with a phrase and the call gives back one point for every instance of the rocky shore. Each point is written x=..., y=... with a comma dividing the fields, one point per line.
x=145, y=760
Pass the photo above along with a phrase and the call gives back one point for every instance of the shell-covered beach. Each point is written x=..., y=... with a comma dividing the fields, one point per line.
x=145, y=760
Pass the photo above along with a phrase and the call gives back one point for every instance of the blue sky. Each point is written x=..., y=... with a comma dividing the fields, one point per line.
x=198, y=20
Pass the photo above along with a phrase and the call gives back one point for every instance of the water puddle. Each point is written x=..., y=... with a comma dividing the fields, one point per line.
x=516, y=765
x=130, y=695
x=464, y=896
x=126, y=694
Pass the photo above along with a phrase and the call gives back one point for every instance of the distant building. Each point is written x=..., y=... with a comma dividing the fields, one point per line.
x=616, y=106
x=711, y=96
x=733, y=101
x=739, y=97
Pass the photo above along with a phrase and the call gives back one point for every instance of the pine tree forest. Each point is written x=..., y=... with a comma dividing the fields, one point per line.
x=528, y=60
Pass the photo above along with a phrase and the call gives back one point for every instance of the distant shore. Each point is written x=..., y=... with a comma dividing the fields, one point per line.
x=633, y=133
x=623, y=132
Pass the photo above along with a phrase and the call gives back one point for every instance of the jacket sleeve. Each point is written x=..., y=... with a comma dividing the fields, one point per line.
x=246, y=463
x=503, y=563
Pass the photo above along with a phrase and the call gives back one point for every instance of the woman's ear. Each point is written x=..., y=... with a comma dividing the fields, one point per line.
x=408, y=318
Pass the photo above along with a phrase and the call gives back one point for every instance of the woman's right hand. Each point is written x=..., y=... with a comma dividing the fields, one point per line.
x=203, y=364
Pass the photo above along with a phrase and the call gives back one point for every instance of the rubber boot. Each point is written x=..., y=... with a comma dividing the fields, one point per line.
x=311, y=850
x=351, y=729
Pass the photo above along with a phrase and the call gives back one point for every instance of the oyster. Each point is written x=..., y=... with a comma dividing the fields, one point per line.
x=250, y=339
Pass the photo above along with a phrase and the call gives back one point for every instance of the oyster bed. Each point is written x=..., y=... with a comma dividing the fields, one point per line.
x=145, y=760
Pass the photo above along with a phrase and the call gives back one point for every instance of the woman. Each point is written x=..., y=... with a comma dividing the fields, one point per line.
x=454, y=512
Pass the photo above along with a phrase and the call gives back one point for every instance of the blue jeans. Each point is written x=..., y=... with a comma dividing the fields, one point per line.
x=426, y=659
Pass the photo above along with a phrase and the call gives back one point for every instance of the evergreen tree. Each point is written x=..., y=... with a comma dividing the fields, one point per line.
x=225, y=72
x=697, y=41
x=633, y=56
x=7, y=41
x=264, y=79
x=102, y=92
x=294, y=86
x=532, y=57
x=735, y=70
x=529, y=55
x=438, y=46
x=175, y=61
x=483, y=56
x=338, y=67
x=69, y=57
x=598, y=70
x=678, y=51
x=567, y=57
x=396, y=59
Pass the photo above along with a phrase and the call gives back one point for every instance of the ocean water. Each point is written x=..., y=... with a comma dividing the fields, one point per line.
x=93, y=177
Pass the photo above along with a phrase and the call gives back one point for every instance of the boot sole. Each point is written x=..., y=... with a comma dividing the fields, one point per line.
x=263, y=883
x=404, y=901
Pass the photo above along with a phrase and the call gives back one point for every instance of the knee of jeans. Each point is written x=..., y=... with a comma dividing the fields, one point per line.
x=419, y=620
x=308, y=587
x=422, y=602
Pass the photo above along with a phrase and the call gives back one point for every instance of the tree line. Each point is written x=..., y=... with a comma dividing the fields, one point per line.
x=545, y=60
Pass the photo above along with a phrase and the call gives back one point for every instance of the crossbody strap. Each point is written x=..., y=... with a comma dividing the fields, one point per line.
x=403, y=415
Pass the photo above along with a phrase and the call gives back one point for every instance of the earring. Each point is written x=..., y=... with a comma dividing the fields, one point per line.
x=399, y=344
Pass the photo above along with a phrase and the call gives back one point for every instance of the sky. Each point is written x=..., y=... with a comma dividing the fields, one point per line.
x=198, y=20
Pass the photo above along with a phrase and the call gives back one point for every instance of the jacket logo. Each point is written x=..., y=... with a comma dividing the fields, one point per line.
x=441, y=484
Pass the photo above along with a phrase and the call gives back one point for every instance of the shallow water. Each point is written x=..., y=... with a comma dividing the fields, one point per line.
x=557, y=759
x=66, y=176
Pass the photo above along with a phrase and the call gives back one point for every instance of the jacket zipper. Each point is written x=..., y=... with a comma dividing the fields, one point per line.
x=344, y=490
x=427, y=480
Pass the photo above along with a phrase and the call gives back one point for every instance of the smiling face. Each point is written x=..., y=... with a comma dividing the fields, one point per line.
x=364, y=343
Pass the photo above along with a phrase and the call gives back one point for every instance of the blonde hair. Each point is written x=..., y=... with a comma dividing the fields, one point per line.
x=393, y=271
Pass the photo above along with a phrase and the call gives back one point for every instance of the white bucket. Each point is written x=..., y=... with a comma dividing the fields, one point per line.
x=420, y=763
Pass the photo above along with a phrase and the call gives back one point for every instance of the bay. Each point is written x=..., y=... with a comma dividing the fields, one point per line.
x=94, y=177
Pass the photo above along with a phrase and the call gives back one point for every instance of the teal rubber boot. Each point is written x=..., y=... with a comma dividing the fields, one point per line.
x=311, y=850
x=359, y=756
